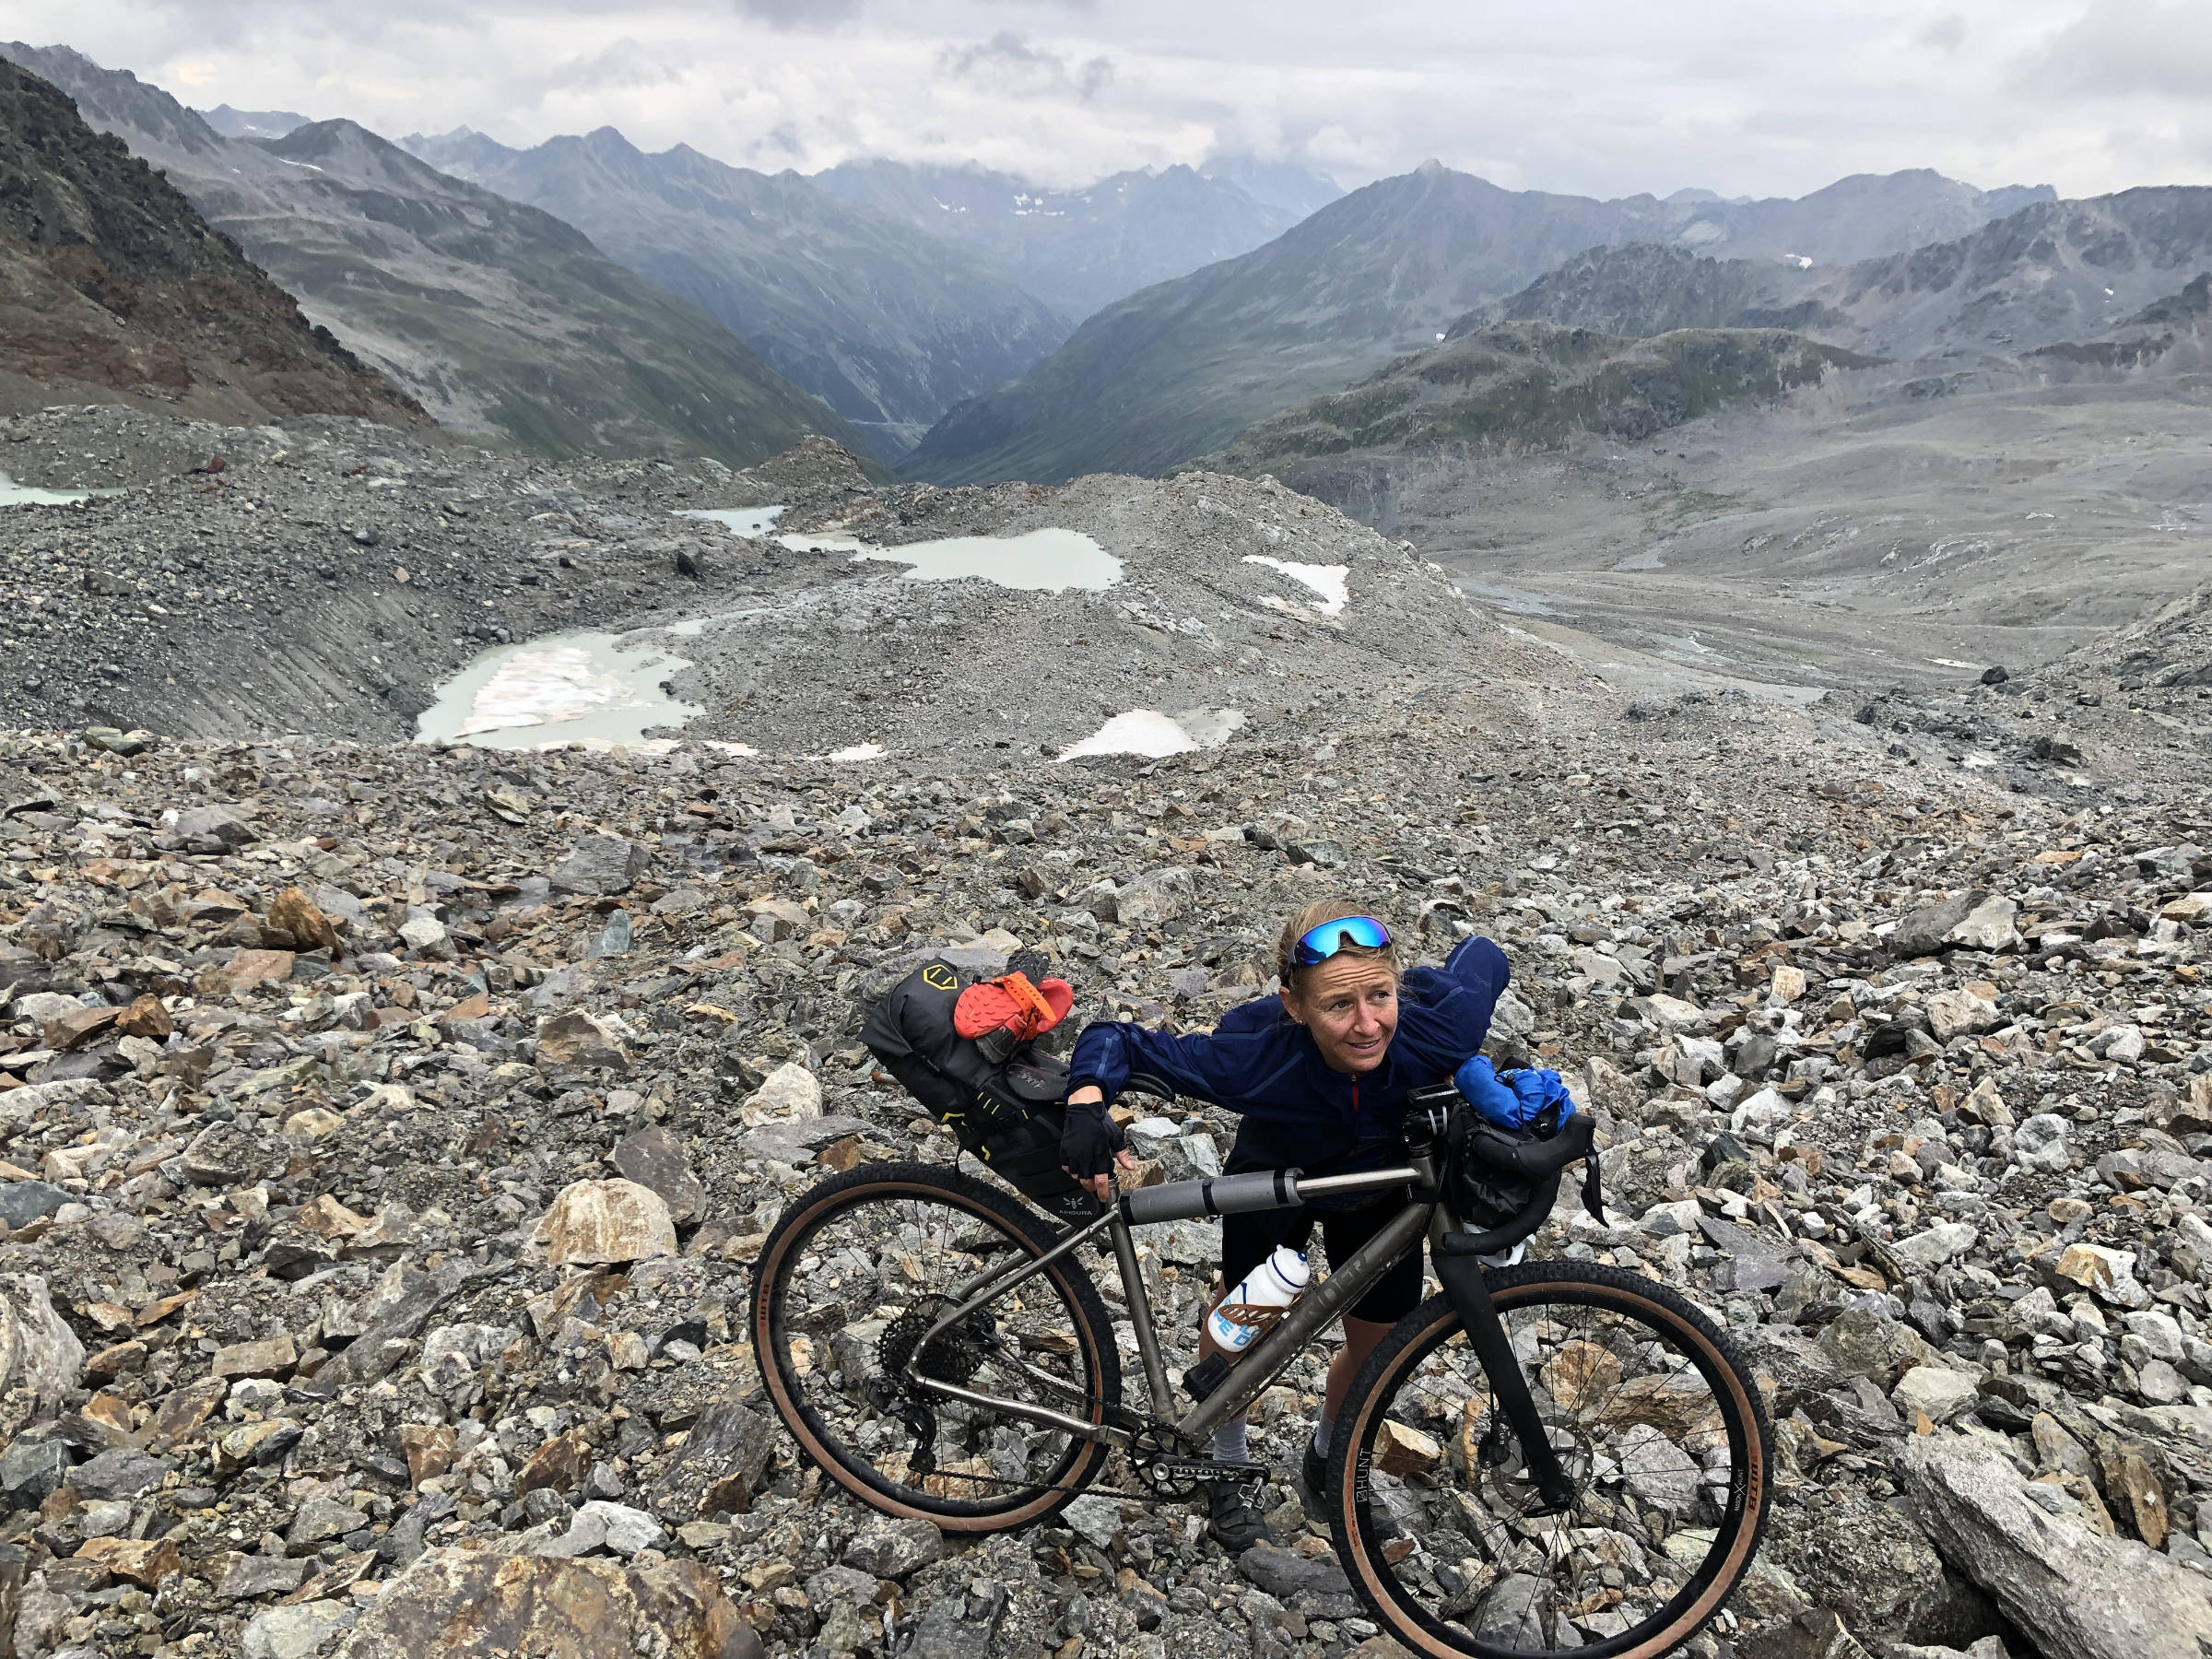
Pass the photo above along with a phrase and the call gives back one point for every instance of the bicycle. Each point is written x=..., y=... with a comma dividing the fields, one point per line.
x=1552, y=1458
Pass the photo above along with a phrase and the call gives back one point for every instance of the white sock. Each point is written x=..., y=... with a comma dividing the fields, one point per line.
x=1228, y=1443
x=1323, y=1431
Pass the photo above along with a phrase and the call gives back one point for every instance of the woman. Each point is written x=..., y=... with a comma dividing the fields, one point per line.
x=1320, y=1075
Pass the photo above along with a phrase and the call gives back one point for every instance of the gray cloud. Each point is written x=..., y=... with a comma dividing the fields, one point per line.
x=1596, y=97
x=799, y=14
x=1945, y=34
x=1008, y=64
x=2119, y=48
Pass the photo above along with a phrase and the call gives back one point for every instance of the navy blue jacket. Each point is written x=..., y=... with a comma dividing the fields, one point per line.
x=1298, y=1112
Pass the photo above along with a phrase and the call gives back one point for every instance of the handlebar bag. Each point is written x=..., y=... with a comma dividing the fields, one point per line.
x=1494, y=1174
x=1009, y=1115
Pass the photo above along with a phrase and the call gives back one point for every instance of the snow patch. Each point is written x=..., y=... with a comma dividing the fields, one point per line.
x=1149, y=732
x=1333, y=582
x=859, y=751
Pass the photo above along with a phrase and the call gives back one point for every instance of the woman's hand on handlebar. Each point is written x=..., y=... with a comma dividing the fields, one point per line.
x=1090, y=1137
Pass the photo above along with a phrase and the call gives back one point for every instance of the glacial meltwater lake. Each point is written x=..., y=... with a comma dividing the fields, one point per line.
x=13, y=494
x=1038, y=560
x=568, y=687
x=603, y=687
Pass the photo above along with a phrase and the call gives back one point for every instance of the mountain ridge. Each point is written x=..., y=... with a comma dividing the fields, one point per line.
x=503, y=322
x=110, y=279
x=886, y=326
x=1178, y=368
x=1077, y=250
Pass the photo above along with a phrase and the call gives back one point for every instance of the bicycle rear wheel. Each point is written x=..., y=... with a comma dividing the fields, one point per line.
x=1656, y=1420
x=851, y=1280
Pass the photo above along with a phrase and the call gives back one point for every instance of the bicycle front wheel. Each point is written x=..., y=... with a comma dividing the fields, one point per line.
x=1656, y=1420
x=852, y=1280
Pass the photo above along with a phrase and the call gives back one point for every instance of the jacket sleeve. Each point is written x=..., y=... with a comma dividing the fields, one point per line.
x=1229, y=1069
x=1447, y=1015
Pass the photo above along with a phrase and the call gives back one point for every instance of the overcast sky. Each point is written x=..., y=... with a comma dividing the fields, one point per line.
x=1599, y=97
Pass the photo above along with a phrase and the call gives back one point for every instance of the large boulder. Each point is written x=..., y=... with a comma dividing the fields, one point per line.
x=594, y=1222
x=2084, y=1595
x=464, y=1604
x=601, y=865
x=37, y=1351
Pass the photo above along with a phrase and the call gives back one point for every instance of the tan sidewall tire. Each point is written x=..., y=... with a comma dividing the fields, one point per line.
x=958, y=1192
x=1529, y=1284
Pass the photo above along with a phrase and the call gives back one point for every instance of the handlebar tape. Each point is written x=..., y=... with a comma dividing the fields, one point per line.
x=1213, y=1195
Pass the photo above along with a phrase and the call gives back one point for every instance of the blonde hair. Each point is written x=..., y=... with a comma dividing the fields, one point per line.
x=1305, y=921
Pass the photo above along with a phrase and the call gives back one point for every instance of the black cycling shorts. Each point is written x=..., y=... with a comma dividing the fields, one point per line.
x=1249, y=1239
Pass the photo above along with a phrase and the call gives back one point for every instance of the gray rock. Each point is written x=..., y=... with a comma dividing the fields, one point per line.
x=891, y=1549
x=654, y=1158
x=1285, y=1573
x=23, y=1202
x=295, y=1632
x=718, y=1468
x=220, y=825
x=2084, y=1595
x=118, y=1472
x=29, y=1469
x=251, y=1575
x=37, y=1351
x=601, y=865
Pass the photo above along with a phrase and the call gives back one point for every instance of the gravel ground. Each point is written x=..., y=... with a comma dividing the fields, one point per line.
x=389, y=1129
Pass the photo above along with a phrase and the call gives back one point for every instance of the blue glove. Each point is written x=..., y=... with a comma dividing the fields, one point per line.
x=1514, y=1101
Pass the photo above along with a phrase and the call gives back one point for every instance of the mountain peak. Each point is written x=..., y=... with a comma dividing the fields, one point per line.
x=1430, y=168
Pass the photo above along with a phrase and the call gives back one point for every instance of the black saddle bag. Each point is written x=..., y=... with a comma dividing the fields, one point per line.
x=1007, y=1114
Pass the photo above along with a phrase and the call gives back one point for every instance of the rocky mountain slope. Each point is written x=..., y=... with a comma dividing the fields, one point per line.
x=1077, y=250
x=2053, y=272
x=111, y=285
x=1179, y=370
x=504, y=321
x=1527, y=385
x=251, y=123
x=886, y=326
x=316, y=1060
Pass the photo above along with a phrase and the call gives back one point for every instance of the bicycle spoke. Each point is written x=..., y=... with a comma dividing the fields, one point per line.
x=873, y=1277
x=1642, y=1438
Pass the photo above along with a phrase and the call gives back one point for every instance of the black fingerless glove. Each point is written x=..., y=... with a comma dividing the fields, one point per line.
x=1089, y=1139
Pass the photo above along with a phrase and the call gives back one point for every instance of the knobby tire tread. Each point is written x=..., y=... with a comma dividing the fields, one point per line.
x=1522, y=1287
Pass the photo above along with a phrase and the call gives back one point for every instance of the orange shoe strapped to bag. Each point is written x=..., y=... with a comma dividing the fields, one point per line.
x=1012, y=1004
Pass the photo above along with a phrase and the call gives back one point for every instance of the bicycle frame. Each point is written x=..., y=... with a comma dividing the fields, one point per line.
x=1272, y=1354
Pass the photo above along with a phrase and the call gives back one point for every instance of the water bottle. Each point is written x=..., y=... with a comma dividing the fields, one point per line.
x=1264, y=1293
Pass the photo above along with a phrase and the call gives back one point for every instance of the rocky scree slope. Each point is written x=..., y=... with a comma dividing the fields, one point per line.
x=1528, y=385
x=326, y=575
x=1076, y=249
x=1179, y=370
x=327, y=578
x=505, y=322
x=389, y=1131
x=888, y=327
x=112, y=284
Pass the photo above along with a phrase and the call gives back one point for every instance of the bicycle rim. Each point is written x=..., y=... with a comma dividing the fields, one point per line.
x=1659, y=1428
x=850, y=1281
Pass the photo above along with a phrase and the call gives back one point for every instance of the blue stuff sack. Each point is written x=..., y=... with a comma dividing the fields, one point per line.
x=1515, y=1100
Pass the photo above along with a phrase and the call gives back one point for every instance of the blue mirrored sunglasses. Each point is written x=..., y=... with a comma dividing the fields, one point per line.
x=1317, y=945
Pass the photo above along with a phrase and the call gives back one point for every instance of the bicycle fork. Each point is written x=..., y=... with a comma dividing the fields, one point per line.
x=1461, y=1274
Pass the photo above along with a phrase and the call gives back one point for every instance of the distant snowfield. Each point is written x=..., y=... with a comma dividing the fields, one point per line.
x=1149, y=732
x=1333, y=582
